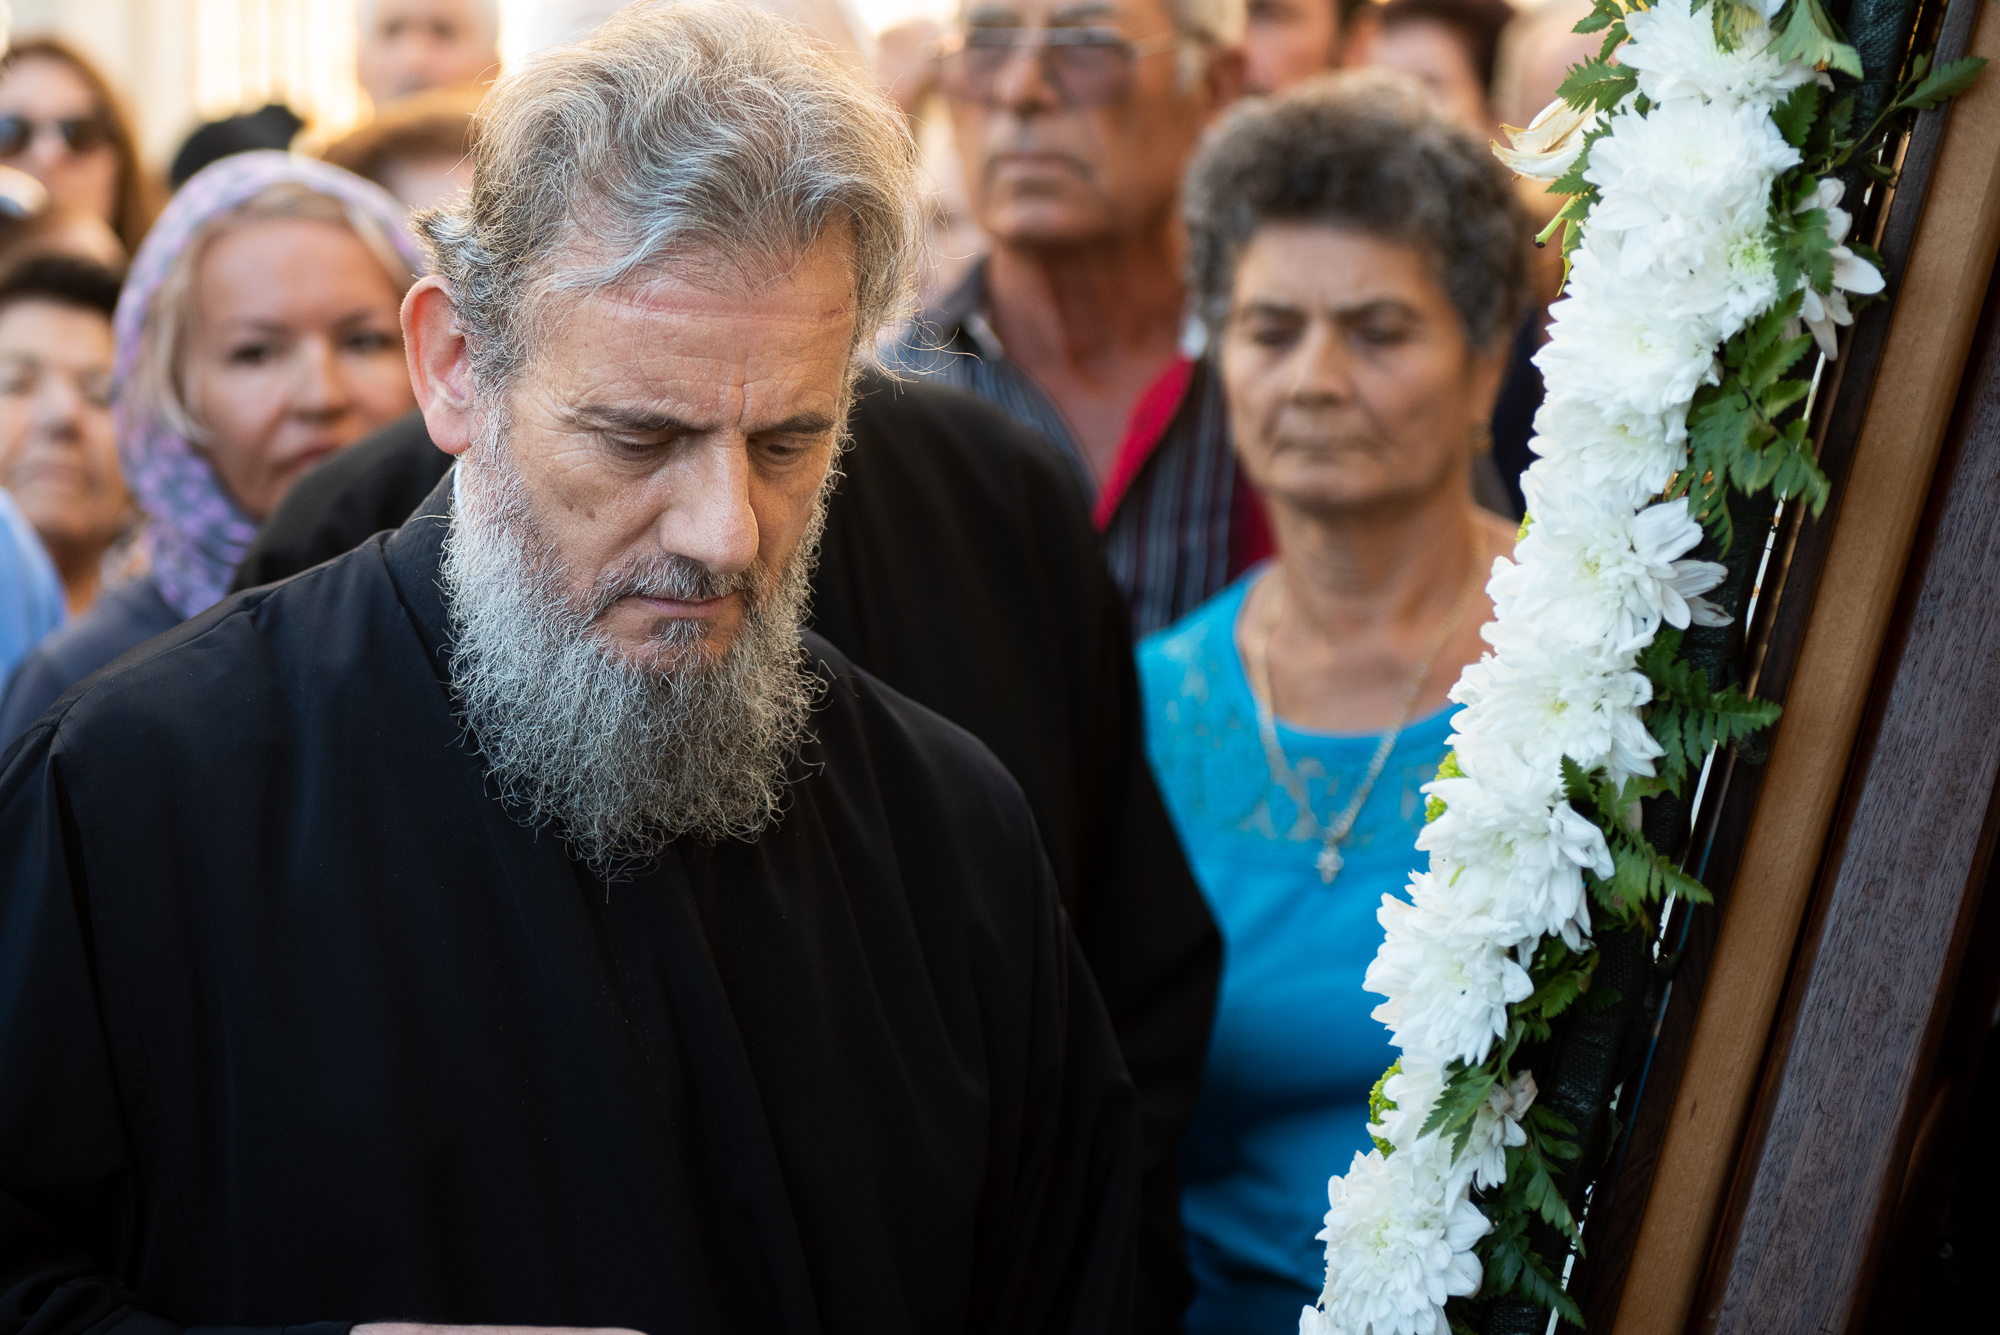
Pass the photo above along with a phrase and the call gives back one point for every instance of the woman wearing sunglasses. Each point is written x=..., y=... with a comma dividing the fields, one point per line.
x=61, y=124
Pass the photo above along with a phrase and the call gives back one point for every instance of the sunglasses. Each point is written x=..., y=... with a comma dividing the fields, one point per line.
x=82, y=134
x=1087, y=67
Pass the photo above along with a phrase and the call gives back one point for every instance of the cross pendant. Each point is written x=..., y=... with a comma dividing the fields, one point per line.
x=1330, y=863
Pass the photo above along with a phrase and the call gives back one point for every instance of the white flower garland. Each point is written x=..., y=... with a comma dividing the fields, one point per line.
x=1674, y=260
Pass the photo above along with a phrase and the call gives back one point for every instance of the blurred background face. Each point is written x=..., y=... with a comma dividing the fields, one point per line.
x=424, y=182
x=58, y=455
x=1436, y=55
x=293, y=351
x=1289, y=40
x=1351, y=383
x=408, y=46
x=52, y=128
x=1082, y=141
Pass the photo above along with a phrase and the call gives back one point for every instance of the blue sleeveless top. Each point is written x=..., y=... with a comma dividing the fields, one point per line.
x=1284, y=1100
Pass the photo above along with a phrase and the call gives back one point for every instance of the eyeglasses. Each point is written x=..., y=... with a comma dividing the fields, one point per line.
x=1087, y=67
x=82, y=134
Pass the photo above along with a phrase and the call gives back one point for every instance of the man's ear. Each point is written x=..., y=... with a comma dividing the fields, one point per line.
x=1228, y=72
x=440, y=368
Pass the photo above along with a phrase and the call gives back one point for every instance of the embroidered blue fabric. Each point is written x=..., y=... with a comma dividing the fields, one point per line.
x=1284, y=1101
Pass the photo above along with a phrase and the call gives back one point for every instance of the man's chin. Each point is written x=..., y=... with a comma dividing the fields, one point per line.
x=666, y=653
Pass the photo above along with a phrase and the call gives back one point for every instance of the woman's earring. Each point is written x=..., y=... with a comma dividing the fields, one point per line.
x=1482, y=439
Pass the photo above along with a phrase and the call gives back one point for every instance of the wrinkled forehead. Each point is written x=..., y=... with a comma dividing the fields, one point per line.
x=792, y=281
x=479, y=15
x=1121, y=14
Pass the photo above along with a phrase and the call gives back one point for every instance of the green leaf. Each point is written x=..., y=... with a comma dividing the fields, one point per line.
x=1796, y=115
x=1514, y=1268
x=1578, y=790
x=1540, y=1193
x=1802, y=248
x=1556, y=994
x=1643, y=878
x=1806, y=33
x=1614, y=37
x=1944, y=83
x=1734, y=21
x=1465, y=1091
x=1763, y=365
x=1596, y=83
x=1603, y=13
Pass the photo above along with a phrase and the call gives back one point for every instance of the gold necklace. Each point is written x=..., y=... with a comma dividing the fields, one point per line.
x=1257, y=659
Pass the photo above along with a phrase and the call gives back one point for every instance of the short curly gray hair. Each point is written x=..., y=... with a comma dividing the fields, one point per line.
x=675, y=129
x=1360, y=151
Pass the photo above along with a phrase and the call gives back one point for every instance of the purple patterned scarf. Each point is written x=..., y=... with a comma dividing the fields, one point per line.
x=195, y=533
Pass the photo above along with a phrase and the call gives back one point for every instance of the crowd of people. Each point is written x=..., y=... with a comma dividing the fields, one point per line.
x=436, y=884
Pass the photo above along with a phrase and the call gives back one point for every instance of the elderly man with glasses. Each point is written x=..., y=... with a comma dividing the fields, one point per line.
x=1074, y=122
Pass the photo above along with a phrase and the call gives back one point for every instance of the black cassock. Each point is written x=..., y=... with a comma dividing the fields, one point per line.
x=298, y=1025
x=960, y=567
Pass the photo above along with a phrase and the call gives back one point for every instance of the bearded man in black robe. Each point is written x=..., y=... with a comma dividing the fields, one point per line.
x=518, y=922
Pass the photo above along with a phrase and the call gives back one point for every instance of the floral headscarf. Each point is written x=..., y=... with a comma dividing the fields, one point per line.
x=195, y=532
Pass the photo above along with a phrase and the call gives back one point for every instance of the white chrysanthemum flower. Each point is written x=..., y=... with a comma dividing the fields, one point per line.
x=1508, y=847
x=1823, y=311
x=1674, y=51
x=1496, y=1128
x=1447, y=978
x=1548, y=698
x=1413, y=1091
x=1583, y=450
x=1699, y=165
x=1595, y=573
x=1398, y=1247
x=1618, y=353
x=1715, y=278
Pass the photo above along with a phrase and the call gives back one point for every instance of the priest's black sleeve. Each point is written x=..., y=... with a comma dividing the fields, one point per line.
x=67, y=1181
x=66, y=1172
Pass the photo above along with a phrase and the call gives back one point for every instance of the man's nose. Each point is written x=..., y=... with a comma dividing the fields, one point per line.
x=708, y=516
x=1024, y=85
x=58, y=406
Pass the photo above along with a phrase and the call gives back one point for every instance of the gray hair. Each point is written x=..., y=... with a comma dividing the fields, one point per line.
x=1364, y=152
x=675, y=129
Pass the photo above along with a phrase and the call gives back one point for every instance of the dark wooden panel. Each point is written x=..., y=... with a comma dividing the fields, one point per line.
x=1864, y=1013
x=1775, y=639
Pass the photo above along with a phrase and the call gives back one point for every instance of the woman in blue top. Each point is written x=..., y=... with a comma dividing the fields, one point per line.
x=1360, y=264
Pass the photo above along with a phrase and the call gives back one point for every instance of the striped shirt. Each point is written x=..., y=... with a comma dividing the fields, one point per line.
x=1177, y=520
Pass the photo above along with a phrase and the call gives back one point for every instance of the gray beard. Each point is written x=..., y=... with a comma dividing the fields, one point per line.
x=620, y=758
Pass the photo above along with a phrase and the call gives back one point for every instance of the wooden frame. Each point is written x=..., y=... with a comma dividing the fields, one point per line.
x=1767, y=831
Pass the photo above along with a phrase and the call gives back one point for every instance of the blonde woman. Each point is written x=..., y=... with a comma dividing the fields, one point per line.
x=256, y=335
